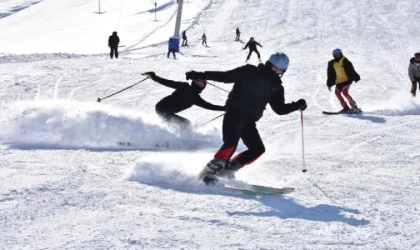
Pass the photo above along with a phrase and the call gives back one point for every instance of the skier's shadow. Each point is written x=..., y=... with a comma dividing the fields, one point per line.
x=289, y=209
x=373, y=119
x=279, y=206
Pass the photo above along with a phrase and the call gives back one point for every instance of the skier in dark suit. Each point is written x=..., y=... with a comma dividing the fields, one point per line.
x=113, y=42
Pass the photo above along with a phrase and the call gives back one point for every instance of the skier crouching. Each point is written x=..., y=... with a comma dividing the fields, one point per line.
x=184, y=97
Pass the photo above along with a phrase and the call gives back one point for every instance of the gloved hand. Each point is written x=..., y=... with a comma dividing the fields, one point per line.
x=149, y=74
x=329, y=88
x=301, y=104
x=413, y=82
x=192, y=75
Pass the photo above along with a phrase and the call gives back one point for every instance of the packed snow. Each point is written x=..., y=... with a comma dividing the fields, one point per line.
x=79, y=174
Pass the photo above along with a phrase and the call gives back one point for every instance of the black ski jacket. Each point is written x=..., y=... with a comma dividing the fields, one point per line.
x=113, y=41
x=348, y=68
x=253, y=88
x=184, y=97
x=252, y=45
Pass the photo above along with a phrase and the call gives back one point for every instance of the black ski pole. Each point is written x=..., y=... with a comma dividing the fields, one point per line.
x=100, y=99
x=213, y=119
x=218, y=87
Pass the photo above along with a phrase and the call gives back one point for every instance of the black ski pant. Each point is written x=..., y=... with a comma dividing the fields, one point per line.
x=235, y=127
x=237, y=37
x=414, y=84
x=173, y=52
x=250, y=52
x=184, y=41
x=204, y=42
x=114, y=50
x=171, y=117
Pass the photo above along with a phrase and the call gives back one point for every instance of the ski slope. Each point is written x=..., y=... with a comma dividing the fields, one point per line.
x=66, y=183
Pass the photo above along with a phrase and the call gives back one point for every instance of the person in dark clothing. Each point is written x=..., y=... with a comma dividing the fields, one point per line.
x=184, y=38
x=252, y=44
x=113, y=42
x=341, y=73
x=171, y=48
x=204, y=38
x=254, y=87
x=238, y=34
x=414, y=73
x=184, y=97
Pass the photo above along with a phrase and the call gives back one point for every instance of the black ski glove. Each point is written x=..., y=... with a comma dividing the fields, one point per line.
x=301, y=104
x=193, y=75
x=149, y=74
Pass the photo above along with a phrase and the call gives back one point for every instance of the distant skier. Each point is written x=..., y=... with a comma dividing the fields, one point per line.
x=171, y=47
x=254, y=87
x=204, y=38
x=342, y=74
x=414, y=72
x=113, y=42
x=238, y=34
x=184, y=97
x=184, y=38
x=252, y=44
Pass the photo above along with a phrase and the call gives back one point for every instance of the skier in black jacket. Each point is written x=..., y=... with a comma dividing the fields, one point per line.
x=184, y=38
x=113, y=42
x=184, y=97
x=238, y=34
x=252, y=44
x=254, y=87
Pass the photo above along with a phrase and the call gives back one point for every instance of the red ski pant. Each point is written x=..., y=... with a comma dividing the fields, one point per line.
x=343, y=90
x=236, y=127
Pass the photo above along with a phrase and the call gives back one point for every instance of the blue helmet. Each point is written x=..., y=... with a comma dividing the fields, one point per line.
x=280, y=60
x=337, y=51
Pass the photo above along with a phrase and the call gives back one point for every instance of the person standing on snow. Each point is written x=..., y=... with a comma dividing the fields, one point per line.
x=113, y=42
x=184, y=97
x=204, y=38
x=238, y=34
x=252, y=44
x=414, y=72
x=184, y=38
x=171, y=48
x=254, y=87
x=341, y=73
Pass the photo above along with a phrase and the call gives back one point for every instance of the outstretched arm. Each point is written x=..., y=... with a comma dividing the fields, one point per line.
x=206, y=105
x=258, y=44
x=279, y=106
x=219, y=76
x=166, y=82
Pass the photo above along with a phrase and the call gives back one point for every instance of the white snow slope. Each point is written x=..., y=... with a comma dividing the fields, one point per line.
x=65, y=183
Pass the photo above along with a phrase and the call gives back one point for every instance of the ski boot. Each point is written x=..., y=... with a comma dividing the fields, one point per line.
x=208, y=174
x=229, y=171
x=344, y=111
x=355, y=110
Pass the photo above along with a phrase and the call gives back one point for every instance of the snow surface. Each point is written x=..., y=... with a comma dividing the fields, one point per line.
x=66, y=183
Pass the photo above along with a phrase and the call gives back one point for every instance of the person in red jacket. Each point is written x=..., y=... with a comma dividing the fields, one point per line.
x=341, y=73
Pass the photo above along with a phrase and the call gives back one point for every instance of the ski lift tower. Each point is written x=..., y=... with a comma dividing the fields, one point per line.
x=174, y=40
